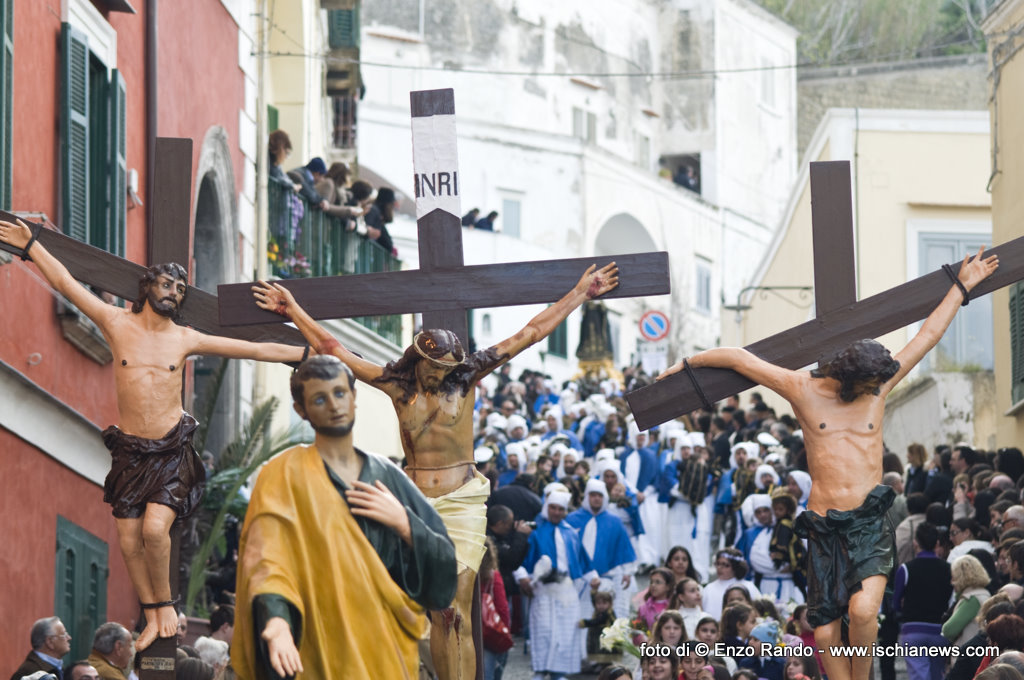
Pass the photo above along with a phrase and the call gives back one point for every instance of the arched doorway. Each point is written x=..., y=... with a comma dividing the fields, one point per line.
x=623, y=234
x=215, y=256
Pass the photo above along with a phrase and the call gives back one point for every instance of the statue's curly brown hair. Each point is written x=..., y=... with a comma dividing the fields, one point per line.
x=172, y=269
x=858, y=368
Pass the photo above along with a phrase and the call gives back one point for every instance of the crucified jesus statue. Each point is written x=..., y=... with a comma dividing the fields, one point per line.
x=433, y=389
x=155, y=473
x=840, y=406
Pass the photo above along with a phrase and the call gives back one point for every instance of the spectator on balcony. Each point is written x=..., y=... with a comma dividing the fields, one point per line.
x=307, y=176
x=487, y=223
x=469, y=219
x=381, y=214
x=279, y=147
x=335, y=188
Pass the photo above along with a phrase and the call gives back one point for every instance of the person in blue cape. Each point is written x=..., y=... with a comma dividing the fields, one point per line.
x=555, y=573
x=640, y=468
x=515, y=454
x=607, y=544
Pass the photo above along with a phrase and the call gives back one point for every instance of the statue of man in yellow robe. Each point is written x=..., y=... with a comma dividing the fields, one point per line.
x=340, y=553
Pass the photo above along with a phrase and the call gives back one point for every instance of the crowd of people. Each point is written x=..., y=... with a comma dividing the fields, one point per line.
x=113, y=655
x=583, y=503
x=585, y=509
x=334, y=190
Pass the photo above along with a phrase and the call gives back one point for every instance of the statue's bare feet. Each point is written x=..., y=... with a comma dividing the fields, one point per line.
x=167, y=618
x=149, y=633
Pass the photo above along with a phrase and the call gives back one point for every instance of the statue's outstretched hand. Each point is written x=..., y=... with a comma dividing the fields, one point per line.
x=284, y=656
x=674, y=368
x=274, y=297
x=17, y=235
x=596, y=282
x=976, y=269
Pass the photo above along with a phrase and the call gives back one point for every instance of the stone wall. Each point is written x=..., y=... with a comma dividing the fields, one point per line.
x=944, y=83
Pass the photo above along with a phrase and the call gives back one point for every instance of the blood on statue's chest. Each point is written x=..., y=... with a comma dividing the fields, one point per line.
x=427, y=411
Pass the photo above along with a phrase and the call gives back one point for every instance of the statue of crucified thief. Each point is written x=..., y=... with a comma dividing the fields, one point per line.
x=433, y=389
x=155, y=474
x=840, y=406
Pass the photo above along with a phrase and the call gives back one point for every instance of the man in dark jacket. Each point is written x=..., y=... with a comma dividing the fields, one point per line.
x=920, y=595
x=50, y=641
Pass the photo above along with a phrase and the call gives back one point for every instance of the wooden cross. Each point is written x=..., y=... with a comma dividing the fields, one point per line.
x=443, y=289
x=169, y=231
x=840, y=318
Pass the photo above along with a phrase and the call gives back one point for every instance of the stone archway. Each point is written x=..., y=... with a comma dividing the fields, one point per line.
x=215, y=254
x=623, y=234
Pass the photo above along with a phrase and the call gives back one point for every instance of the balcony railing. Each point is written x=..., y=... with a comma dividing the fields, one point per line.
x=305, y=242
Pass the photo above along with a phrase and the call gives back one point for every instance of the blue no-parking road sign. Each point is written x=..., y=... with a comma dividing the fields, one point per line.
x=654, y=326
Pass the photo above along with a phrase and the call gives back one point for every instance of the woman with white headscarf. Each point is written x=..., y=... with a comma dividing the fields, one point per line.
x=799, y=483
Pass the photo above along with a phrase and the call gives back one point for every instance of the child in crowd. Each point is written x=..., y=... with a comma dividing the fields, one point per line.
x=669, y=629
x=695, y=666
x=687, y=601
x=602, y=618
x=786, y=549
x=802, y=668
x=707, y=632
x=658, y=593
x=735, y=595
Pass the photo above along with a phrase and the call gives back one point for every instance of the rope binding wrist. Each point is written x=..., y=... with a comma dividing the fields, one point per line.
x=36, y=228
x=959, y=284
x=696, y=385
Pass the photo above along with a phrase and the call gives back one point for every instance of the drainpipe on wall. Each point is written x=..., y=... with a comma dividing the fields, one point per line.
x=260, y=392
x=151, y=120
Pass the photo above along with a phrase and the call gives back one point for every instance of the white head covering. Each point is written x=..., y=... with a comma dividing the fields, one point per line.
x=605, y=454
x=595, y=485
x=556, y=413
x=602, y=465
x=567, y=397
x=556, y=486
x=483, y=454
x=803, y=480
x=515, y=420
x=517, y=449
x=697, y=439
x=765, y=470
x=760, y=500
x=766, y=439
x=751, y=449
x=558, y=447
x=748, y=506
x=496, y=421
x=560, y=498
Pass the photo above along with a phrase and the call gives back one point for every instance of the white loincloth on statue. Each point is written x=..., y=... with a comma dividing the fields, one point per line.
x=464, y=513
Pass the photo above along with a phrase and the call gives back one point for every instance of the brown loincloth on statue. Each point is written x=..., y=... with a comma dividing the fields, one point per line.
x=166, y=471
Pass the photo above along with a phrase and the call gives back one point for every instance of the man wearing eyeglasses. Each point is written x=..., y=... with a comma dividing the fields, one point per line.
x=50, y=641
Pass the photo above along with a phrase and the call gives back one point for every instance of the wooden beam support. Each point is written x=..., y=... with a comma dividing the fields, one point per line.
x=479, y=286
x=835, y=258
x=170, y=234
x=98, y=268
x=800, y=346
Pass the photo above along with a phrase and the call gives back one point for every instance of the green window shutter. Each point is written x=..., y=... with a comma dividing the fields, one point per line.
x=271, y=117
x=1017, y=341
x=117, y=183
x=343, y=28
x=75, y=132
x=81, y=575
x=558, y=341
x=6, y=99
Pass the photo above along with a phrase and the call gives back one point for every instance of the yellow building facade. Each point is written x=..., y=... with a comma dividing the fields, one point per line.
x=1004, y=29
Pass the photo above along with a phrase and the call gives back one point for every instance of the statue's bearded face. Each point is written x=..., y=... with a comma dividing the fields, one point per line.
x=166, y=295
x=430, y=375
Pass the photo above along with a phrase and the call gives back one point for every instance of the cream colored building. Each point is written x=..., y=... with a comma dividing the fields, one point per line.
x=919, y=200
x=1004, y=29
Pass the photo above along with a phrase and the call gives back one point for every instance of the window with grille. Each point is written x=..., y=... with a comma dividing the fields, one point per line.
x=93, y=146
x=702, y=300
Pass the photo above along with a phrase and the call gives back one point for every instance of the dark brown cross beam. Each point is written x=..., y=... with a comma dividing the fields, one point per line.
x=169, y=242
x=840, y=319
x=443, y=289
